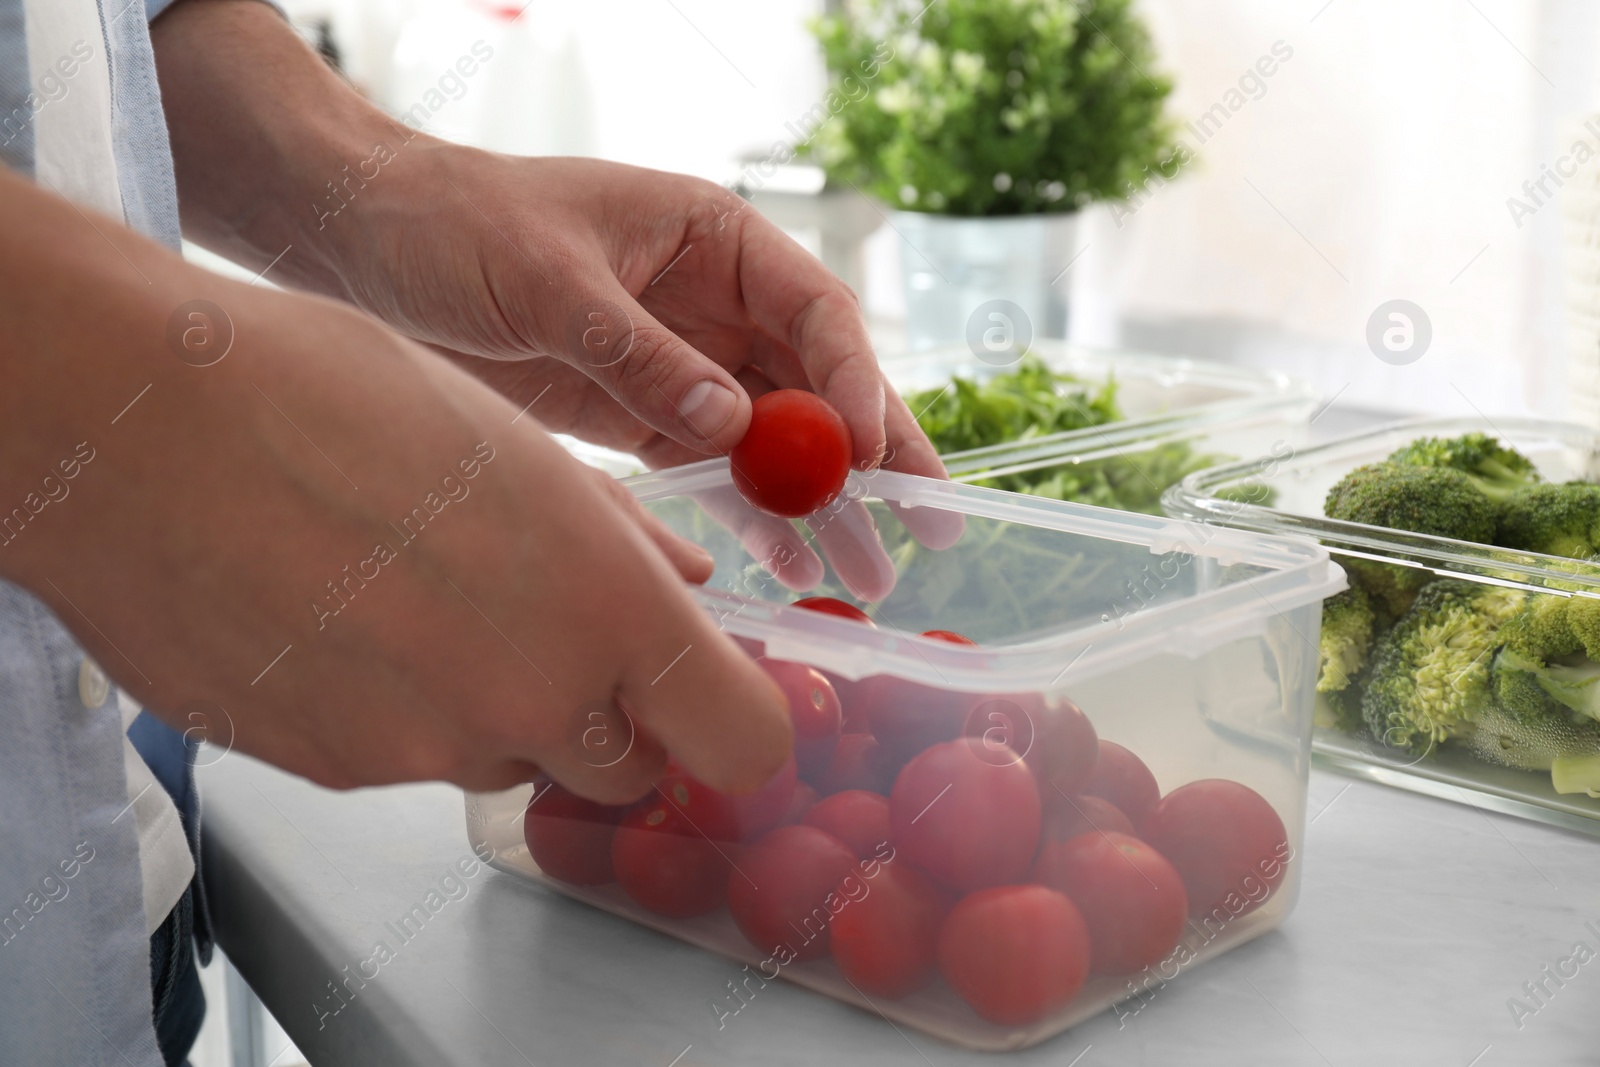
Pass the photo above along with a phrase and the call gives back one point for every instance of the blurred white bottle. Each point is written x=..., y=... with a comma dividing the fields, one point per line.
x=539, y=98
x=438, y=77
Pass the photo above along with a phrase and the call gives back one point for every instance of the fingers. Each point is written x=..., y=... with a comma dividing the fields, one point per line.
x=795, y=298
x=772, y=542
x=654, y=373
x=719, y=713
x=691, y=561
x=910, y=451
x=605, y=755
x=849, y=539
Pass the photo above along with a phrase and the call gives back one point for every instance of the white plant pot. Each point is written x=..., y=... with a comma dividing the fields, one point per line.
x=955, y=268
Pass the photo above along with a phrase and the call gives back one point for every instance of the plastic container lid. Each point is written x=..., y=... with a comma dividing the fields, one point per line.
x=1561, y=451
x=1139, y=585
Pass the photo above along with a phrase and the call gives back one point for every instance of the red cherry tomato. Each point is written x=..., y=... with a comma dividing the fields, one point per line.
x=1131, y=898
x=906, y=717
x=805, y=798
x=1008, y=722
x=1015, y=953
x=1226, y=842
x=886, y=940
x=758, y=812
x=782, y=890
x=858, y=818
x=570, y=837
x=965, y=820
x=832, y=606
x=1075, y=815
x=1122, y=778
x=853, y=697
x=663, y=855
x=795, y=456
x=1064, y=751
x=711, y=813
x=813, y=709
x=856, y=763
x=950, y=636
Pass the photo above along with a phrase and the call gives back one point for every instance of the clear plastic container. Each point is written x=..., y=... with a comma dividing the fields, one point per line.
x=1184, y=644
x=1298, y=484
x=1182, y=415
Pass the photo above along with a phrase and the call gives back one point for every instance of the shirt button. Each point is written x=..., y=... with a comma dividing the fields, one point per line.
x=93, y=685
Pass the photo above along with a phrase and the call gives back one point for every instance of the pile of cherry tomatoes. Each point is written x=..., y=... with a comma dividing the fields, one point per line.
x=918, y=832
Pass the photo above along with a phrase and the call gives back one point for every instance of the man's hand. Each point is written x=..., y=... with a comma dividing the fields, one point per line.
x=643, y=309
x=663, y=303
x=352, y=547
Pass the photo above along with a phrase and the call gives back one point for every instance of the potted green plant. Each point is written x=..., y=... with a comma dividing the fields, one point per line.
x=986, y=125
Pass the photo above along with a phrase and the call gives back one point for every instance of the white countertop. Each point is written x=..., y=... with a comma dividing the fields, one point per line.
x=1418, y=921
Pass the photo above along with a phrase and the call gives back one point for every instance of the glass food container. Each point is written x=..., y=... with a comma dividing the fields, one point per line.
x=1117, y=658
x=1181, y=415
x=1285, y=496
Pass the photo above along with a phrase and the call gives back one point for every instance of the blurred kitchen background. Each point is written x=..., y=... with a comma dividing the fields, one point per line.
x=1376, y=163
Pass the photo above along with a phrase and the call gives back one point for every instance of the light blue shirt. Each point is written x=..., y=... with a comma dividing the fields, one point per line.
x=74, y=950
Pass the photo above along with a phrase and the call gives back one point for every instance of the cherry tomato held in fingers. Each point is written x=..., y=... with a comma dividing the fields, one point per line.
x=832, y=606
x=1226, y=842
x=967, y=821
x=813, y=709
x=794, y=458
x=756, y=813
x=1122, y=778
x=1064, y=752
x=570, y=837
x=1015, y=953
x=781, y=893
x=1131, y=898
x=858, y=818
x=665, y=865
x=1083, y=814
x=886, y=940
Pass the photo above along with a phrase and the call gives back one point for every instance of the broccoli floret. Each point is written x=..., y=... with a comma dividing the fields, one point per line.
x=1569, y=750
x=1440, y=501
x=1559, y=520
x=1390, y=587
x=1430, y=674
x=1340, y=709
x=1345, y=640
x=1496, y=469
x=1547, y=667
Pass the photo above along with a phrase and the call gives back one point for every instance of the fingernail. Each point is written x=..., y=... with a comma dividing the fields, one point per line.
x=707, y=407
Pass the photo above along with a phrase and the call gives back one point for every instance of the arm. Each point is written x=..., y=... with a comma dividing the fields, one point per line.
x=363, y=561
x=492, y=257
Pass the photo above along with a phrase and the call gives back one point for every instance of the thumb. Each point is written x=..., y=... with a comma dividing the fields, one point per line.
x=664, y=381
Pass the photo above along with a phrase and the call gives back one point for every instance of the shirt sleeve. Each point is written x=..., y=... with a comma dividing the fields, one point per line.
x=153, y=8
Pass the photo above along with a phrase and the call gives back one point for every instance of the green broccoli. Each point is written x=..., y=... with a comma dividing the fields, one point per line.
x=1430, y=673
x=1391, y=587
x=1547, y=667
x=1428, y=500
x=1559, y=520
x=1496, y=469
x=1340, y=709
x=1345, y=640
x=1569, y=750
